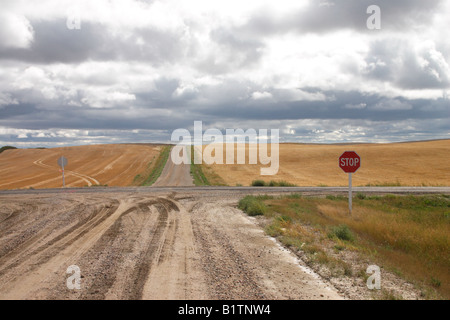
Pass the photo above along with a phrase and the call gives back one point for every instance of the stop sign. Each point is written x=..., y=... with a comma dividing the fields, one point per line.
x=349, y=161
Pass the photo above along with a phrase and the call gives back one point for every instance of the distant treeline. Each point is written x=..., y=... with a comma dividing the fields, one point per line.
x=6, y=148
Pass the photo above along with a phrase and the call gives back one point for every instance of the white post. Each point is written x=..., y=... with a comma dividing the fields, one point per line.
x=350, y=193
x=64, y=179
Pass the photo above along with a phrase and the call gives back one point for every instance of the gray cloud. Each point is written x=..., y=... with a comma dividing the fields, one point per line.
x=397, y=61
x=139, y=82
x=331, y=15
x=54, y=43
x=158, y=109
x=233, y=52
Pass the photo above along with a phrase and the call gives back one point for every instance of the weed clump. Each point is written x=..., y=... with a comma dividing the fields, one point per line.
x=258, y=183
x=253, y=206
x=341, y=232
x=272, y=183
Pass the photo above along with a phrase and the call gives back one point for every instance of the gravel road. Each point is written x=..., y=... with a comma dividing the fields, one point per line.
x=175, y=175
x=144, y=246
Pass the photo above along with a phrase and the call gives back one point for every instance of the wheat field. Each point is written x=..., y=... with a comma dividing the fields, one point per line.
x=395, y=164
x=112, y=165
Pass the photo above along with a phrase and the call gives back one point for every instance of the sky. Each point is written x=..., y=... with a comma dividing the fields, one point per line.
x=89, y=72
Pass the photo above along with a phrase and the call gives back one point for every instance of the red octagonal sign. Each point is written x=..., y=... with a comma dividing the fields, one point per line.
x=349, y=161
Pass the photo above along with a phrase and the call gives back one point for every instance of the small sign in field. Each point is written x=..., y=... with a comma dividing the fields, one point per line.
x=62, y=162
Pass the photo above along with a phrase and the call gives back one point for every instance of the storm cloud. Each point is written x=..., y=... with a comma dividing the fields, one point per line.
x=137, y=70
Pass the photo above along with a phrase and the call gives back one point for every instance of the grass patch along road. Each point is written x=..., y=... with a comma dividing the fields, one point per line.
x=408, y=236
x=271, y=183
x=154, y=168
x=203, y=175
x=197, y=173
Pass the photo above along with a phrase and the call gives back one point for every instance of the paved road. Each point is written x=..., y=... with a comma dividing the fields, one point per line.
x=237, y=190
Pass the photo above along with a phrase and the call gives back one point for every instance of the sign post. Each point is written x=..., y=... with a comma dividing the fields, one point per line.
x=62, y=162
x=350, y=196
x=349, y=162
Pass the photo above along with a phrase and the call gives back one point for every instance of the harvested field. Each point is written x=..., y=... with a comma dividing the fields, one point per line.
x=396, y=164
x=112, y=165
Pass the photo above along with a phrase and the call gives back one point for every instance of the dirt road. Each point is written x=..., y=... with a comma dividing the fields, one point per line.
x=155, y=245
x=175, y=175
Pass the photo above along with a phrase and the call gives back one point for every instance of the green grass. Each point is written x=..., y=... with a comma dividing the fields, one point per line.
x=341, y=232
x=384, y=184
x=154, y=169
x=253, y=205
x=272, y=183
x=197, y=172
x=258, y=183
x=203, y=174
x=340, y=198
x=409, y=235
x=294, y=196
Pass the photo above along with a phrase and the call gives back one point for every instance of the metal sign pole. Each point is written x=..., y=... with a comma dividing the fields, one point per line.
x=349, y=162
x=350, y=192
x=62, y=162
x=64, y=179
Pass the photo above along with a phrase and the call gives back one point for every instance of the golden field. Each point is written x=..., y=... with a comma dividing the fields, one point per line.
x=406, y=164
x=112, y=165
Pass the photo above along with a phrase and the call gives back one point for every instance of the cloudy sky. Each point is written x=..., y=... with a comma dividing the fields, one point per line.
x=81, y=72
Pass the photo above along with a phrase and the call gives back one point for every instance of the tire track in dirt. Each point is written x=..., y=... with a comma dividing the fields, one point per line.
x=14, y=216
x=153, y=250
x=19, y=229
x=228, y=274
x=56, y=242
x=38, y=269
x=6, y=216
x=240, y=262
x=116, y=266
x=175, y=272
x=144, y=246
x=89, y=180
x=112, y=252
x=124, y=241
